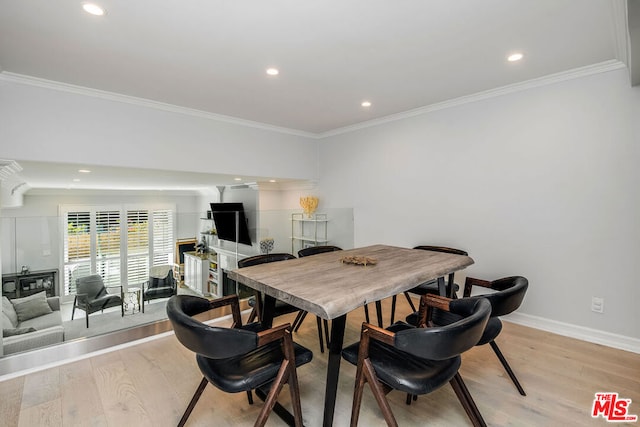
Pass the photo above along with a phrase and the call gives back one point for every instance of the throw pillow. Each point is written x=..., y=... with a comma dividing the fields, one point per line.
x=32, y=306
x=7, y=308
x=16, y=331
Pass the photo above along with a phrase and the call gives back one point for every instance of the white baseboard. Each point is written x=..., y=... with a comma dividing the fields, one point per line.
x=579, y=332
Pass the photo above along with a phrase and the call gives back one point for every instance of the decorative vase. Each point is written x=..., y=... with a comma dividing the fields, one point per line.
x=266, y=245
x=309, y=205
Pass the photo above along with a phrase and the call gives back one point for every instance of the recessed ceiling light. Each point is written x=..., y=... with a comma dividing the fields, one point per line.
x=515, y=57
x=366, y=104
x=84, y=171
x=272, y=180
x=273, y=71
x=237, y=179
x=93, y=9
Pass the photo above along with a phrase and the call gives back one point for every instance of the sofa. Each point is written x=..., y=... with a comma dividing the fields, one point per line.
x=31, y=322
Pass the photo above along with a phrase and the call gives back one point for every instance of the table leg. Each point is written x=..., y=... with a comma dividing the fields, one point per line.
x=452, y=286
x=441, y=287
x=267, y=311
x=333, y=368
x=379, y=313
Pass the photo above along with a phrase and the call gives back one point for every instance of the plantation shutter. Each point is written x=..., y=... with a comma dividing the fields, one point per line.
x=137, y=247
x=108, y=247
x=163, y=244
x=96, y=242
x=77, y=249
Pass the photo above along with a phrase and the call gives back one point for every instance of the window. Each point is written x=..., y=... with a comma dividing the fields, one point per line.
x=77, y=249
x=96, y=242
x=163, y=241
x=137, y=246
x=108, y=246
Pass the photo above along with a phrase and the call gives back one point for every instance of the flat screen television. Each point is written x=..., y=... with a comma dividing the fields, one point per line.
x=224, y=217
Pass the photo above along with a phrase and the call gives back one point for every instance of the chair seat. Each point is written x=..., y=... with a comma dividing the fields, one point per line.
x=159, y=292
x=249, y=371
x=403, y=371
x=431, y=288
x=103, y=302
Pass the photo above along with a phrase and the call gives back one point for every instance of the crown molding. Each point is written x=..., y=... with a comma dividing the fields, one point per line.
x=8, y=168
x=621, y=30
x=602, y=67
x=289, y=185
x=142, y=102
x=576, y=73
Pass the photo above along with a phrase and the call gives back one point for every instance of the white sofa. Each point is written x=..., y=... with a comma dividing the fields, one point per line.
x=29, y=333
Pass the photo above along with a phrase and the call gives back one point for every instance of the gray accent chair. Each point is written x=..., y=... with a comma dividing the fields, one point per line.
x=161, y=284
x=92, y=296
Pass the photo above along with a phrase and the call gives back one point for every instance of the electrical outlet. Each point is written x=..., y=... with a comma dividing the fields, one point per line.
x=597, y=304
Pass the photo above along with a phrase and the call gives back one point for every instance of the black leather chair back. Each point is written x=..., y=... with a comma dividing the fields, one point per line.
x=442, y=249
x=210, y=341
x=509, y=295
x=263, y=259
x=314, y=250
x=445, y=342
x=162, y=282
x=91, y=285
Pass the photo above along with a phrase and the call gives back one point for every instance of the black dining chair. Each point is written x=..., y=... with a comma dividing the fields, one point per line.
x=281, y=307
x=239, y=358
x=418, y=360
x=506, y=297
x=430, y=287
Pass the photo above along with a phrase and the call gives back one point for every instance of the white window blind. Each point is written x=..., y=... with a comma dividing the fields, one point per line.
x=108, y=246
x=163, y=241
x=137, y=246
x=77, y=249
x=97, y=242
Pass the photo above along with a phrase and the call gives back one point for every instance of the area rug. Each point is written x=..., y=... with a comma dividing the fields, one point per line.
x=112, y=320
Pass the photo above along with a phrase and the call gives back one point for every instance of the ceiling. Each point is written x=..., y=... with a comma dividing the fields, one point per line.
x=211, y=55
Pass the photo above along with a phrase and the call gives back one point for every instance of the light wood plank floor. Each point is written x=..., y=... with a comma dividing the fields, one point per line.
x=150, y=384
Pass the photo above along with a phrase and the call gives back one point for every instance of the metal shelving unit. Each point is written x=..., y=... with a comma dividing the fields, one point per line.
x=306, y=232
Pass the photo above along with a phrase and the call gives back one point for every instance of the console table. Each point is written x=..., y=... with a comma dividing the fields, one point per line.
x=18, y=285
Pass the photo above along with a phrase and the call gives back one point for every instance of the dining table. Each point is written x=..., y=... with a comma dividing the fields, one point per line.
x=332, y=284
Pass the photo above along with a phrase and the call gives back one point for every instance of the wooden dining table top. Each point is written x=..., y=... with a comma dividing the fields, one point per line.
x=323, y=285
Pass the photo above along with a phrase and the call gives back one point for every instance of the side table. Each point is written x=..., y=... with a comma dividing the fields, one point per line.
x=132, y=297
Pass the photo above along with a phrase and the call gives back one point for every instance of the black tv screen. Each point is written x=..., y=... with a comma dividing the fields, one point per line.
x=224, y=217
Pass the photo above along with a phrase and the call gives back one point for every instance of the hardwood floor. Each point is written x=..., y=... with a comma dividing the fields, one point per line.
x=151, y=383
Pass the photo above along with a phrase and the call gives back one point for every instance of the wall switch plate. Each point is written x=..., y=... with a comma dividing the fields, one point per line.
x=597, y=304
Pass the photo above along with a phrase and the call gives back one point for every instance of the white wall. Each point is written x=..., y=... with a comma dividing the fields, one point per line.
x=43, y=124
x=541, y=183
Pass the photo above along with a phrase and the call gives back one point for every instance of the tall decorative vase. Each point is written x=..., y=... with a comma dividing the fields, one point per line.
x=309, y=205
